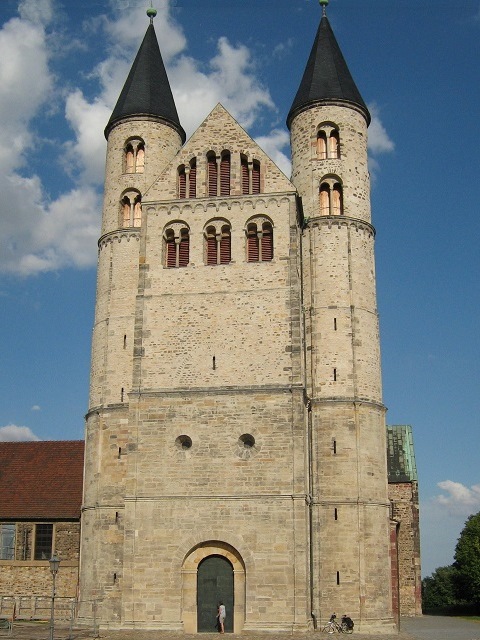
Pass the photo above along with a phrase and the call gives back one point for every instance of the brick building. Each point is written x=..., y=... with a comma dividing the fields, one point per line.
x=40, y=503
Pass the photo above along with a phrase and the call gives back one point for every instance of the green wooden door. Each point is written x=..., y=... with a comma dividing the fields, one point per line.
x=214, y=585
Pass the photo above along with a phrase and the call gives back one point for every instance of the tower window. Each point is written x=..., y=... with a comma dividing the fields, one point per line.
x=7, y=541
x=135, y=156
x=328, y=142
x=259, y=241
x=331, y=198
x=131, y=205
x=176, y=241
x=218, y=243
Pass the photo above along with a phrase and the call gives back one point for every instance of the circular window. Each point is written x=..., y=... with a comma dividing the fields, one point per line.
x=183, y=442
x=247, y=441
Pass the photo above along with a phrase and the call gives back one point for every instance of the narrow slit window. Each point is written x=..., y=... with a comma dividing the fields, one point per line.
x=338, y=577
x=334, y=375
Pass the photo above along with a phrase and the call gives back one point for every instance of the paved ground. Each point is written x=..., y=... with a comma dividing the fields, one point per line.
x=422, y=628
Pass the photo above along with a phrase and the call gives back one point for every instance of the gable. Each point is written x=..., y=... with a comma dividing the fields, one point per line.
x=219, y=133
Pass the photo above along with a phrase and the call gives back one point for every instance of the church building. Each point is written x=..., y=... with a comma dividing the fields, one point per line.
x=235, y=444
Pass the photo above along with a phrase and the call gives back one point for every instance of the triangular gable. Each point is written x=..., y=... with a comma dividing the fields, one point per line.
x=218, y=132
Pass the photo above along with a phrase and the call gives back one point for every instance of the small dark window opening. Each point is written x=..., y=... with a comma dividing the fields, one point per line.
x=247, y=440
x=334, y=375
x=43, y=541
x=214, y=366
x=334, y=324
x=121, y=395
x=336, y=513
x=338, y=577
x=335, y=447
x=125, y=341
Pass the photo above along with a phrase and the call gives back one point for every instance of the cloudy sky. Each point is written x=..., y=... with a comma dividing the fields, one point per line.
x=62, y=66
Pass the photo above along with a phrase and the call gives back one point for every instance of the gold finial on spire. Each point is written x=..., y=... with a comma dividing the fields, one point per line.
x=323, y=4
x=151, y=12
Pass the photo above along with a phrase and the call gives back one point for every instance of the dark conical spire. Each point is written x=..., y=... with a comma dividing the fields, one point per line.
x=326, y=77
x=147, y=91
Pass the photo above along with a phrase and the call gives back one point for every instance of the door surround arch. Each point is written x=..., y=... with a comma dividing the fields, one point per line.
x=189, y=582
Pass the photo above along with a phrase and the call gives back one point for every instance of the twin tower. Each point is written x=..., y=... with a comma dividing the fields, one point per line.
x=235, y=438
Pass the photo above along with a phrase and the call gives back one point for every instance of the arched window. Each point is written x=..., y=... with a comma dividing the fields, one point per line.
x=176, y=239
x=245, y=176
x=259, y=240
x=225, y=174
x=135, y=156
x=182, y=182
x=212, y=174
x=250, y=176
x=328, y=141
x=192, y=183
x=217, y=243
x=331, y=197
x=322, y=145
x=131, y=209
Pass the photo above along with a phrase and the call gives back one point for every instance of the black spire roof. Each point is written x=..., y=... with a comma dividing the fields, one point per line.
x=326, y=76
x=147, y=90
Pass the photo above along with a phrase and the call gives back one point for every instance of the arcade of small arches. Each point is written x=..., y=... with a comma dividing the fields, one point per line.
x=328, y=141
x=217, y=242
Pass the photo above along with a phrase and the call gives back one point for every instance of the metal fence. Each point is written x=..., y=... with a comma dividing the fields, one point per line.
x=30, y=618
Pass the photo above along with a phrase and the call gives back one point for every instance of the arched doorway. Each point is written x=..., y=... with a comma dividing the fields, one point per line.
x=214, y=585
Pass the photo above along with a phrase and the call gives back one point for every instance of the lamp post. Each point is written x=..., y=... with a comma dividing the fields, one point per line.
x=54, y=565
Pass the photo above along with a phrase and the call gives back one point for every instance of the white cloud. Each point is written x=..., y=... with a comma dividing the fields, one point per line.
x=36, y=407
x=378, y=139
x=459, y=499
x=273, y=145
x=13, y=433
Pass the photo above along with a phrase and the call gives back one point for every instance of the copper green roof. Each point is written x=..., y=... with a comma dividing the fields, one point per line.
x=326, y=77
x=400, y=454
x=147, y=90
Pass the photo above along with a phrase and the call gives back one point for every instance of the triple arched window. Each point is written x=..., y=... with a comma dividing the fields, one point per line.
x=131, y=209
x=259, y=240
x=328, y=142
x=176, y=240
x=218, y=179
x=135, y=156
x=331, y=197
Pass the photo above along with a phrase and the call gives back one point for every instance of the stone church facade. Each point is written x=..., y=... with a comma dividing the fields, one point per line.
x=235, y=439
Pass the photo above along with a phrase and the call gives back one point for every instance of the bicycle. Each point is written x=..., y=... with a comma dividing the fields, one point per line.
x=332, y=626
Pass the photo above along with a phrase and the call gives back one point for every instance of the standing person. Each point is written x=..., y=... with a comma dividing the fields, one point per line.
x=221, y=616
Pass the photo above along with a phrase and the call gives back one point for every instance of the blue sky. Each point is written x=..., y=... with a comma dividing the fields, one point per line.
x=416, y=63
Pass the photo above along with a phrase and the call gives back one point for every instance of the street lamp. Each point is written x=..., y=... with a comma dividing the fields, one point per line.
x=54, y=565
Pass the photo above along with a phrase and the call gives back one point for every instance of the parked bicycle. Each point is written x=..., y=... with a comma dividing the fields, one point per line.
x=346, y=625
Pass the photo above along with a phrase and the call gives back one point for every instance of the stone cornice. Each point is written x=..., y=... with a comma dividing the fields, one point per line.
x=176, y=207
x=118, y=235
x=340, y=221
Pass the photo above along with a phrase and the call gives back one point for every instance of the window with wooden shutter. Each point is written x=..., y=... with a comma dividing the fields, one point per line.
x=225, y=174
x=192, y=186
x=211, y=246
x=256, y=177
x=182, y=182
x=140, y=159
x=129, y=159
x=267, y=242
x=245, y=178
x=137, y=213
x=252, y=244
x=212, y=174
x=337, y=200
x=225, y=245
x=334, y=144
x=126, y=210
x=321, y=145
x=184, y=248
x=170, y=249
x=325, y=200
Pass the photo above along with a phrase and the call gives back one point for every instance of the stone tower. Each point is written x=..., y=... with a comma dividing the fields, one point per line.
x=235, y=438
x=346, y=421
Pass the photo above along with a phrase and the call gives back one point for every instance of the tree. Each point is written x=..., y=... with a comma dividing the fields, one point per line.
x=439, y=589
x=467, y=561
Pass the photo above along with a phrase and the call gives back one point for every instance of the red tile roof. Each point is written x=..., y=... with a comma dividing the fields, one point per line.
x=41, y=480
